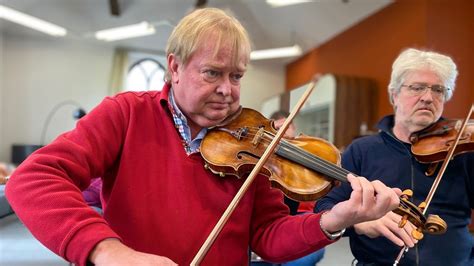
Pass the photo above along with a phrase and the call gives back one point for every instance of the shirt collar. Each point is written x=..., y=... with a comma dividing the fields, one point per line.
x=181, y=124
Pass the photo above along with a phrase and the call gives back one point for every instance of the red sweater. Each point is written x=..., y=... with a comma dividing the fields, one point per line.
x=157, y=199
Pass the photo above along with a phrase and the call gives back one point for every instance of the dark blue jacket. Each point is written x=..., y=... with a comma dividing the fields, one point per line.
x=385, y=158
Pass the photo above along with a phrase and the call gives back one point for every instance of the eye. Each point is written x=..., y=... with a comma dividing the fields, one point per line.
x=236, y=77
x=439, y=89
x=211, y=73
x=418, y=87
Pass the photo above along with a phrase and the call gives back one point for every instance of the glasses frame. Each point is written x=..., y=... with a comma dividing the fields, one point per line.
x=426, y=87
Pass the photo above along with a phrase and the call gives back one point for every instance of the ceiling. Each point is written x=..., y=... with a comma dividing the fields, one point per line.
x=307, y=24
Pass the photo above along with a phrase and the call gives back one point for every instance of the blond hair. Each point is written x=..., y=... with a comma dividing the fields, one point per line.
x=197, y=26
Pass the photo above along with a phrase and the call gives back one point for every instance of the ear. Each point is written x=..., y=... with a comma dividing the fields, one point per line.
x=394, y=95
x=173, y=65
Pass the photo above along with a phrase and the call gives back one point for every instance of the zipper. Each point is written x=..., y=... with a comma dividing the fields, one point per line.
x=412, y=183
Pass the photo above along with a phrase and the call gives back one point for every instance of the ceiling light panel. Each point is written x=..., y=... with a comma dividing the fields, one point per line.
x=126, y=32
x=31, y=22
x=279, y=3
x=282, y=52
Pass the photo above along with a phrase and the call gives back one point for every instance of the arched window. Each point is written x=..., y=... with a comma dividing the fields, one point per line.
x=146, y=74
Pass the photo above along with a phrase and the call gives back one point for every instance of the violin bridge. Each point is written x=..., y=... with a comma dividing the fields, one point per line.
x=241, y=132
x=258, y=136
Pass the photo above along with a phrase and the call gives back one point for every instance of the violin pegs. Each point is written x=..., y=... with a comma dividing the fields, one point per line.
x=417, y=234
x=422, y=205
x=407, y=193
x=403, y=221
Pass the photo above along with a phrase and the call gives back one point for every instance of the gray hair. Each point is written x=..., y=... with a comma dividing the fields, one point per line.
x=412, y=60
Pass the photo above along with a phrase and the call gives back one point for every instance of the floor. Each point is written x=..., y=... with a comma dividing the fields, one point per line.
x=19, y=248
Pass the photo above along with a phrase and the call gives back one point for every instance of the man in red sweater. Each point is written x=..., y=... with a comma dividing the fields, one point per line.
x=160, y=204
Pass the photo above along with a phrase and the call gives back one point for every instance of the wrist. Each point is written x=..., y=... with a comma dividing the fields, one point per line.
x=102, y=250
x=331, y=234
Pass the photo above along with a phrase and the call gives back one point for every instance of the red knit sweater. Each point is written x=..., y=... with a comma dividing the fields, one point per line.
x=157, y=199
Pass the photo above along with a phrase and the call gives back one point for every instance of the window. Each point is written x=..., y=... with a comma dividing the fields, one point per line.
x=146, y=74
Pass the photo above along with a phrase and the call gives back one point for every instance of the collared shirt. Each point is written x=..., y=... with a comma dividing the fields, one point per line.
x=181, y=124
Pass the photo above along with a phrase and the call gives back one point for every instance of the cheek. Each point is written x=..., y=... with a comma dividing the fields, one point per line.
x=439, y=108
x=408, y=103
x=236, y=93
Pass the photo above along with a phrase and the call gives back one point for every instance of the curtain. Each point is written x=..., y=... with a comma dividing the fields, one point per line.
x=119, y=71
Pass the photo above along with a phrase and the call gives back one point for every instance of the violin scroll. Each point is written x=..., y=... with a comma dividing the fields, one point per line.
x=410, y=212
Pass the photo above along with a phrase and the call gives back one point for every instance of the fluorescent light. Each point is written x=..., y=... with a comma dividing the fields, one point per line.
x=31, y=22
x=279, y=3
x=125, y=32
x=294, y=50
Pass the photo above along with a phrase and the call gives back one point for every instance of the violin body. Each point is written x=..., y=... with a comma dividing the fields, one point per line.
x=433, y=143
x=235, y=148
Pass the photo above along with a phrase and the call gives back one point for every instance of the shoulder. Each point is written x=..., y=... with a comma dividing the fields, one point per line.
x=365, y=143
x=135, y=96
x=131, y=100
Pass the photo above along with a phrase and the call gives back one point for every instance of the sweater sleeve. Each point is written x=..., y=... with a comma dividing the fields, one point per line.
x=45, y=190
x=278, y=237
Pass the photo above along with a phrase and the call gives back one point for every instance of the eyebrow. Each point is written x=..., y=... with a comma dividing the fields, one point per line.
x=221, y=66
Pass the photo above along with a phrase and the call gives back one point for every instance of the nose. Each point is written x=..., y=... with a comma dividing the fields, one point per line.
x=427, y=95
x=225, y=87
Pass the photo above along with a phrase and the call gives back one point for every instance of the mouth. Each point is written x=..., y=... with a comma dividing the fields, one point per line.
x=219, y=105
x=423, y=109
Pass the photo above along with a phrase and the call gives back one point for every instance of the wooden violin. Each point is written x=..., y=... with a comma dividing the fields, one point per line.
x=433, y=143
x=304, y=168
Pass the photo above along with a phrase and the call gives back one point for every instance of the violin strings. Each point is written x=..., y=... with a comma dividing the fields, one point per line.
x=307, y=159
x=329, y=167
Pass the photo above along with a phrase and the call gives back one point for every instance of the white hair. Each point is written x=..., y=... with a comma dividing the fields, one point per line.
x=412, y=60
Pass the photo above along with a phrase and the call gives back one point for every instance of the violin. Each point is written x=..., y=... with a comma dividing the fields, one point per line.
x=433, y=143
x=304, y=168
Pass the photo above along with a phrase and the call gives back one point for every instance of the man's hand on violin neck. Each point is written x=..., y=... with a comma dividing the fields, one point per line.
x=368, y=201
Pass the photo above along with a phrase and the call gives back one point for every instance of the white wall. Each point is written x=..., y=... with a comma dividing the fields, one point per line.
x=261, y=81
x=41, y=71
x=2, y=102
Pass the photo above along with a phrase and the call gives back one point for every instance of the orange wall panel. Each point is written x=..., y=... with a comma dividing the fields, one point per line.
x=451, y=31
x=369, y=48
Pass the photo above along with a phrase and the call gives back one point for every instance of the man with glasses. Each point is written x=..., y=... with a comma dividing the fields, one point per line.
x=421, y=83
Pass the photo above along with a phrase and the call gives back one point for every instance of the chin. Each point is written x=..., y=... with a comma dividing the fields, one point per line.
x=424, y=122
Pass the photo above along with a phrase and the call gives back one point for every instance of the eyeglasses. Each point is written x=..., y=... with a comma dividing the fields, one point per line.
x=438, y=91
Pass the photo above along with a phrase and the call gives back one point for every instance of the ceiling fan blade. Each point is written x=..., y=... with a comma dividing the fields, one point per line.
x=114, y=7
x=200, y=3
